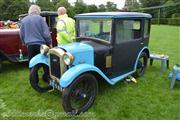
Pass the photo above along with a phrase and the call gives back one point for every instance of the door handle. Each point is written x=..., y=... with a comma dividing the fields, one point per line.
x=142, y=43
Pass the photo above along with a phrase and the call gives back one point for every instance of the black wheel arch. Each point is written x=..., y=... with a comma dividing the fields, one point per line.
x=3, y=57
x=147, y=52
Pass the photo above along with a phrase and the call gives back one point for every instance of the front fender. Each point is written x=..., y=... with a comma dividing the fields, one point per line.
x=39, y=58
x=72, y=73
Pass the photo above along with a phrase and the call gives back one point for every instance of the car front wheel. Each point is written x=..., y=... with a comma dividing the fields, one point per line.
x=39, y=78
x=141, y=65
x=80, y=95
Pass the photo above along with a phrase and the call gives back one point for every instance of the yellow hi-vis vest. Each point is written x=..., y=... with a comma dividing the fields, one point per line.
x=65, y=30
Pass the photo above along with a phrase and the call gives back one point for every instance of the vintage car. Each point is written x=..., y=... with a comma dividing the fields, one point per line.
x=11, y=47
x=110, y=46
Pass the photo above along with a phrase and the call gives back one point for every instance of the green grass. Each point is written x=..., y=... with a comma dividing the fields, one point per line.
x=149, y=99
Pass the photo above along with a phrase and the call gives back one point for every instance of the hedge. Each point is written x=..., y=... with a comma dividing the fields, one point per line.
x=166, y=21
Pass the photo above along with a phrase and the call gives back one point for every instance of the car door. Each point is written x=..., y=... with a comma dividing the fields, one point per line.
x=127, y=44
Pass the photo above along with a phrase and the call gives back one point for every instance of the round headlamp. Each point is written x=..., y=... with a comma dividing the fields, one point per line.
x=68, y=58
x=44, y=49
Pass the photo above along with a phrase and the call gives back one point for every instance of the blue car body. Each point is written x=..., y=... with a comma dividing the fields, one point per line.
x=86, y=51
x=79, y=65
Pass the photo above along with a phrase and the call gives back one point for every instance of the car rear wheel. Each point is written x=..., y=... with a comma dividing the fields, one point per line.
x=141, y=65
x=80, y=95
x=39, y=78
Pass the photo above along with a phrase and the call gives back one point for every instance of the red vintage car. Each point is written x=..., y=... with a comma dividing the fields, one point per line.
x=11, y=47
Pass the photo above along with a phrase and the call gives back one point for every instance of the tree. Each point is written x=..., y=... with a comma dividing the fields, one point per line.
x=12, y=9
x=132, y=4
x=55, y=2
x=92, y=8
x=169, y=11
x=110, y=6
x=80, y=7
x=102, y=8
x=150, y=3
x=45, y=5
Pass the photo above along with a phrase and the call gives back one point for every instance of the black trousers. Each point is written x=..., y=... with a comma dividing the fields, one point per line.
x=33, y=50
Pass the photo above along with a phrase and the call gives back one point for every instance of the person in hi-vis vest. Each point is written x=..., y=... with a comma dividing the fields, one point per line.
x=65, y=27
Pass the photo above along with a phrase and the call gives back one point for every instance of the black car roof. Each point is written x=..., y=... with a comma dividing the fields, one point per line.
x=114, y=15
x=43, y=13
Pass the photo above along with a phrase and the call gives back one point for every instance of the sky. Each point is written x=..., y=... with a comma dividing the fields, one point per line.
x=120, y=3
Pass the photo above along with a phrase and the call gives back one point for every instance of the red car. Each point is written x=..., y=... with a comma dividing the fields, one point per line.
x=11, y=47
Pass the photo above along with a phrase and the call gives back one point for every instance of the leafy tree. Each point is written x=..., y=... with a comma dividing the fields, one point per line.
x=102, y=8
x=80, y=7
x=150, y=3
x=45, y=5
x=92, y=8
x=12, y=9
x=132, y=4
x=63, y=3
x=169, y=11
x=110, y=6
x=1, y=9
x=55, y=2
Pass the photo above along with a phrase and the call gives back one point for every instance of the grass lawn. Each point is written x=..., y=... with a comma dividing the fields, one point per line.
x=149, y=99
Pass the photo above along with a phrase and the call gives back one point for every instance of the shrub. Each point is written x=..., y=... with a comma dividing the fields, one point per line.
x=174, y=21
x=166, y=21
x=176, y=15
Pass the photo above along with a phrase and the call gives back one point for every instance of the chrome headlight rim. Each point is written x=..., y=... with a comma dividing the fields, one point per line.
x=68, y=58
x=44, y=49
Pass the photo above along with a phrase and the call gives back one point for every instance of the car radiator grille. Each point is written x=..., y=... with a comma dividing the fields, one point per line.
x=55, y=66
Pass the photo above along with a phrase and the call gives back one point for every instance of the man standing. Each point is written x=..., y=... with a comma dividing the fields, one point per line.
x=65, y=27
x=34, y=31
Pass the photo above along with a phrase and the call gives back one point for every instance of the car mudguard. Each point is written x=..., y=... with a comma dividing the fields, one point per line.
x=143, y=49
x=69, y=76
x=39, y=58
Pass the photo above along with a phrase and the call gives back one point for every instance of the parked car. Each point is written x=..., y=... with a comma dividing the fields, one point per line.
x=11, y=47
x=111, y=46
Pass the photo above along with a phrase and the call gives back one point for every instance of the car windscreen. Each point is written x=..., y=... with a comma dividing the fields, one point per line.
x=95, y=28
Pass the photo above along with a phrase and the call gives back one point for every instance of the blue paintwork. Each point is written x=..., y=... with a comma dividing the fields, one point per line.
x=40, y=58
x=114, y=15
x=83, y=53
x=72, y=73
x=135, y=64
x=177, y=76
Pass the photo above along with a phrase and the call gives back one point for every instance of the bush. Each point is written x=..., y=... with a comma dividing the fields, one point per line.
x=166, y=21
x=176, y=15
x=162, y=21
x=174, y=21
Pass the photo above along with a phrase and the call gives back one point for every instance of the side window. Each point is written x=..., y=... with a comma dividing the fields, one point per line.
x=106, y=26
x=127, y=30
x=146, y=28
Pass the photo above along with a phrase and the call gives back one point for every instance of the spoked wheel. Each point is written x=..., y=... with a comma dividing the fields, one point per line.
x=39, y=78
x=80, y=95
x=141, y=65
